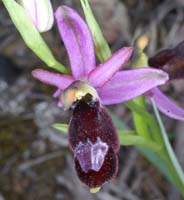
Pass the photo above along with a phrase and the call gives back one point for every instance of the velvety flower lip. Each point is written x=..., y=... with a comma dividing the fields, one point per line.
x=171, y=61
x=92, y=135
x=94, y=141
x=106, y=172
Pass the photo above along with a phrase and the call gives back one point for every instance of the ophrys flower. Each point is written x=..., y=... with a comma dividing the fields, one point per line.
x=92, y=136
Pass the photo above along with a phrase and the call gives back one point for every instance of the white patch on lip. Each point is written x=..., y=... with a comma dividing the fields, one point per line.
x=91, y=156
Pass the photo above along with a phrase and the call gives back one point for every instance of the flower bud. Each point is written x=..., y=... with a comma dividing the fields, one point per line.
x=40, y=13
x=170, y=61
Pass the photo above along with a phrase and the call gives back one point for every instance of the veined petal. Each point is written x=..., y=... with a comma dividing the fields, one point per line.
x=105, y=71
x=126, y=85
x=166, y=106
x=78, y=41
x=51, y=78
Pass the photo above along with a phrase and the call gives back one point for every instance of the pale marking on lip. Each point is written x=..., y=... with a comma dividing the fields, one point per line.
x=91, y=156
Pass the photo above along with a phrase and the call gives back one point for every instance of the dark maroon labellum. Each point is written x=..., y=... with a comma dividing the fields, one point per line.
x=94, y=141
x=170, y=61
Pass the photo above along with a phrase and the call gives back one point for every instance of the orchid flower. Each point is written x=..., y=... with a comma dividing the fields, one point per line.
x=172, y=62
x=92, y=135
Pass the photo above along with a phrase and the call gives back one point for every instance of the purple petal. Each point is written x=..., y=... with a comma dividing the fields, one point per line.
x=78, y=41
x=105, y=71
x=126, y=85
x=57, y=93
x=50, y=78
x=166, y=106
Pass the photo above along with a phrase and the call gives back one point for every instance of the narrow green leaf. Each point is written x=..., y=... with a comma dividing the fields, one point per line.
x=130, y=138
x=101, y=47
x=61, y=127
x=31, y=36
x=178, y=172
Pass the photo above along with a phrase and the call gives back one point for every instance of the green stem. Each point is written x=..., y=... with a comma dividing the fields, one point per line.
x=148, y=119
x=139, y=121
x=171, y=159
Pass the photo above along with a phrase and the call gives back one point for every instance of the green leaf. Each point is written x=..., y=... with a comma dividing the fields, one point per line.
x=149, y=119
x=101, y=47
x=31, y=36
x=61, y=127
x=130, y=138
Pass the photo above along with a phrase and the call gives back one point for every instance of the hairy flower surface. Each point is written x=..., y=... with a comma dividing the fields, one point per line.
x=92, y=136
x=172, y=62
x=94, y=140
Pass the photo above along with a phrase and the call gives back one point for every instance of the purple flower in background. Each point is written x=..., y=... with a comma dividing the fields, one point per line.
x=92, y=136
x=172, y=62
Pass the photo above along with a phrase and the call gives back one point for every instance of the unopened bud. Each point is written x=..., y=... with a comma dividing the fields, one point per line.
x=40, y=13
